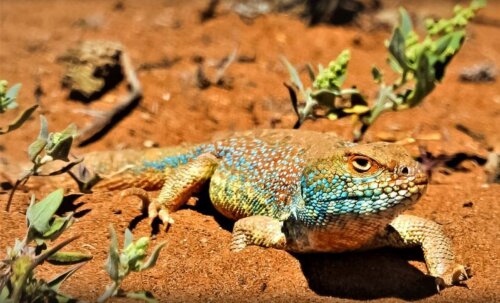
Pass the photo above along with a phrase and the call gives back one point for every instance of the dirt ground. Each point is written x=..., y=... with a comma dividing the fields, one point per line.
x=197, y=264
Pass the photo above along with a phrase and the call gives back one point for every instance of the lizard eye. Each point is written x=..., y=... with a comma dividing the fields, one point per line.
x=361, y=164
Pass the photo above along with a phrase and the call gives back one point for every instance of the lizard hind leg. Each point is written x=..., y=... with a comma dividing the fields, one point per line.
x=178, y=186
x=410, y=231
x=258, y=230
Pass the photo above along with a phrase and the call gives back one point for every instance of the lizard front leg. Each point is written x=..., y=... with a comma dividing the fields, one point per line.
x=258, y=230
x=178, y=186
x=410, y=231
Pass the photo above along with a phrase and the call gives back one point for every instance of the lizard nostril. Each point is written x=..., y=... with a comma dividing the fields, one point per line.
x=405, y=170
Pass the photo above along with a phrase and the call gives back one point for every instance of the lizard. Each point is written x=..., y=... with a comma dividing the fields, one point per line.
x=301, y=191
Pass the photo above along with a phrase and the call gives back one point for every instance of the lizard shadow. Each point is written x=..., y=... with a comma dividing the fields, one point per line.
x=72, y=204
x=374, y=274
x=203, y=206
x=367, y=275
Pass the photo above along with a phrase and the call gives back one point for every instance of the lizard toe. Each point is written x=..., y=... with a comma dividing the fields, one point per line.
x=456, y=276
x=239, y=242
x=156, y=210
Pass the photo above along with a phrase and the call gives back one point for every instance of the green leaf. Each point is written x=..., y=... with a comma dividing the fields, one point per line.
x=57, y=227
x=425, y=81
x=60, y=298
x=4, y=293
x=477, y=4
x=135, y=253
x=293, y=98
x=128, y=238
x=36, y=148
x=113, y=260
x=394, y=65
x=448, y=45
x=333, y=77
x=294, y=76
x=397, y=48
x=40, y=213
x=146, y=296
x=57, y=281
x=44, y=128
x=68, y=258
x=445, y=49
x=60, y=143
x=377, y=75
x=111, y=290
x=12, y=94
x=154, y=257
x=19, y=121
x=310, y=72
x=406, y=24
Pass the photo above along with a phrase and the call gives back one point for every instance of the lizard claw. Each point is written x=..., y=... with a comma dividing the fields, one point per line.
x=239, y=242
x=454, y=277
x=157, y=210
x=148, y=205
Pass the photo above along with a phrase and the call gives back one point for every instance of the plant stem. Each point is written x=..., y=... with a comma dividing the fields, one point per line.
x=110, y=291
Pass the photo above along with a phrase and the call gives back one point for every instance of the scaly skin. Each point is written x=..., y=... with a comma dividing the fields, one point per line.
x=295, y=190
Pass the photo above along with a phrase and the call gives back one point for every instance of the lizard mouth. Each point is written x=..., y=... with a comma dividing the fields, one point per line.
x=421, y=179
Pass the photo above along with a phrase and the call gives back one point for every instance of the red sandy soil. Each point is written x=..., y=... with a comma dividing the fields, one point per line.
x=197, y=264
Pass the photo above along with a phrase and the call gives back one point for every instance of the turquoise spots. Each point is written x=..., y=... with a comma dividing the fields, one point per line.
x=328, y=195
x=175, y=161
x=172, y=162
x=253, y=176
x=270, y=171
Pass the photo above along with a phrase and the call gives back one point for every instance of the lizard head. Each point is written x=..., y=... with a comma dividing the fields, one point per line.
x=363, y=179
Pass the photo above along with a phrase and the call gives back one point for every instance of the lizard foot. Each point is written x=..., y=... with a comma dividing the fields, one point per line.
x=239, y=242
x=257, y=230
x=456, y=276
x=158, y=210
x=148, y=205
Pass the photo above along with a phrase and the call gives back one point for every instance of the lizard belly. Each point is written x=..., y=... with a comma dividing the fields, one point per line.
x=236, y=197
x=347, y=233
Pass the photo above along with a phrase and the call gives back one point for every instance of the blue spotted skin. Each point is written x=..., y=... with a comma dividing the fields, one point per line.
x=253, y=176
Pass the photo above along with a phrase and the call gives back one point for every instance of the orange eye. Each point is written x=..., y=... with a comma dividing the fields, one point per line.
x=362, y=164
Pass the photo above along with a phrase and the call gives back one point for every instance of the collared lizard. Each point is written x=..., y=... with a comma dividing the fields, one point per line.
x=301, y=191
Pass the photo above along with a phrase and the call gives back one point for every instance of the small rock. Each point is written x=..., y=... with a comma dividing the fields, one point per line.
x=468, y=204
x=483, y=72
x=166, y=97
x=149, y=144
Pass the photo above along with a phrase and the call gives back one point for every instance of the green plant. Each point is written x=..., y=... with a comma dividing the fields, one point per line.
x=130, y=259
x=8, y=99
x=18, y=282
x=419, y=63
x=48, y=147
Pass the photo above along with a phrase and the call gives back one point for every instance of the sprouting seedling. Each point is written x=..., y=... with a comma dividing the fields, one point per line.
x=46, y=148
x=18, y=282
x=419, y=62
x=131, y=259
x=8, y=101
